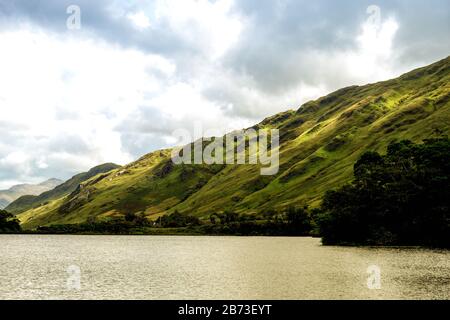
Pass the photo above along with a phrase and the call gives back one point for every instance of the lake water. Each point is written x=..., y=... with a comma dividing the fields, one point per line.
x=178, y=267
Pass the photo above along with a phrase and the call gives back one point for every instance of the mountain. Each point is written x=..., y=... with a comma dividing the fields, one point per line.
x=29, y=201
x=8, y=196
x=51, y=183
x=3, y=203
x=319, y=143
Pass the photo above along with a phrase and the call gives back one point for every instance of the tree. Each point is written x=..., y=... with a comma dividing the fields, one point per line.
x=299, y=219
x=213, y=218
x=9, y=223
x=137, y=219
x=230, y=216
x=177, y=219
x=402, y=197
x=91, y=220
x=130, y=216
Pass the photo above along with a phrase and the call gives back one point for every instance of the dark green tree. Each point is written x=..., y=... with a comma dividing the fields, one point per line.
x=230, y=216
x=402, y=197
x=298, y=219
x=8, y=223
x=177, y=219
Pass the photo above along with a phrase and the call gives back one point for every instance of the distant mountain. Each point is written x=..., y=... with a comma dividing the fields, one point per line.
x=51, y=183
x=8, y=196
x=3, y=203
x=319, y=143
x=30, y=201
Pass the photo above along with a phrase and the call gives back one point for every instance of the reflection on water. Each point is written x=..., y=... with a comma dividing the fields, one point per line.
x=172, y=267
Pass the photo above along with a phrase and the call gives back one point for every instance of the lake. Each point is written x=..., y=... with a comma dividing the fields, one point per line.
x=185, y=267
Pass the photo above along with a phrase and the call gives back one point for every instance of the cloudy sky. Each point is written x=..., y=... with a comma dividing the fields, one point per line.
x=116, y=86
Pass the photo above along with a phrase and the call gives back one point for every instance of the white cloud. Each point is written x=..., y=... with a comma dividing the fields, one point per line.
x=371, y=59
x=95, y=84
x=66, y=96
x=139, y=19
x=374, y=56
x=18, y=158
x=209, y=26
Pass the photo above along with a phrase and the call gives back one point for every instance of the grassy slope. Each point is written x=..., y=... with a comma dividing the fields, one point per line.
x=319, y=144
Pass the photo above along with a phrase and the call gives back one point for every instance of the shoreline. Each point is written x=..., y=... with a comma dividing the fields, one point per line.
x=412, y=247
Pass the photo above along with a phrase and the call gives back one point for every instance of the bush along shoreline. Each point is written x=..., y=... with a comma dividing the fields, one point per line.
x=294, y=222
x=401, y=198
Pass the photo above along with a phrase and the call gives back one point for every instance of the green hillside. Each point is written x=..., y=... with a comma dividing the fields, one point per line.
x=28, y=202
x=319, y=143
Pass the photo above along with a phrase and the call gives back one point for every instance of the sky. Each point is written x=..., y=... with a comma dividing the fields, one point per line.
x=86, y=82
